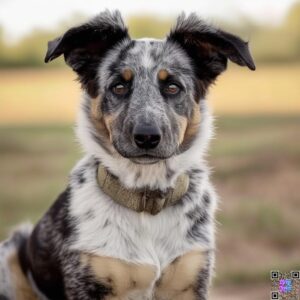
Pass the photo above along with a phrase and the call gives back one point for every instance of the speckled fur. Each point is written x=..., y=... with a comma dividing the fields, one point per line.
x=84, y=222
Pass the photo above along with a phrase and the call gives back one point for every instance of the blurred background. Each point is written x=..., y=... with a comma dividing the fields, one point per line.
x=255, y=156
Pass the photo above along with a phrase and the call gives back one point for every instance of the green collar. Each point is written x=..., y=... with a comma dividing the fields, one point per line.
x=141, y=200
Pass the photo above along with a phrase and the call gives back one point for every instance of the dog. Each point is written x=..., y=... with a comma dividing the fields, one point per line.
x=136, y=220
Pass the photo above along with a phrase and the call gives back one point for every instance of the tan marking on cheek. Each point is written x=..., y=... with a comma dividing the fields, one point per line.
x=108, y=121
x=99, y=120
x=127, y=74
x=193, y=124
x=163, y=74
x=95, y=108
x=121, y=276
x=179, y=278
x=22, y=288
x=182, y=124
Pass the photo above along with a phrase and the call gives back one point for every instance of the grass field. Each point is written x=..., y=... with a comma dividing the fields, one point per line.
x=255, y=159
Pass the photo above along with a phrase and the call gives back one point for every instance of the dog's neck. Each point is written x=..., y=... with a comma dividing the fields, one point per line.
x=141, y=200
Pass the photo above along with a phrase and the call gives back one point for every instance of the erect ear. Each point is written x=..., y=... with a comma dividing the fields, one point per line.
x=208, y=47
x=84, y=46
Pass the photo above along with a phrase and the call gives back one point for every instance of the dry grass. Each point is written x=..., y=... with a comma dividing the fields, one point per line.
x=38, y=96
x=44, y=96
x=269, y=90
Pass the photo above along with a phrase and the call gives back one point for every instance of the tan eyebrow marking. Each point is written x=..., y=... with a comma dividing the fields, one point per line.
x=163, y=74
x=127, y=74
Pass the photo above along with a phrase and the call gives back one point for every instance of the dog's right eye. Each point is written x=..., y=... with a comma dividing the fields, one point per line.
x=120, y=89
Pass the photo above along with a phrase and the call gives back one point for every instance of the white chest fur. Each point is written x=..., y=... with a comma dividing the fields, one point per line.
x=107, y=230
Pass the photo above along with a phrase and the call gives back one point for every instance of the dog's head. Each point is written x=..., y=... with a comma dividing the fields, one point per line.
x=143, y=97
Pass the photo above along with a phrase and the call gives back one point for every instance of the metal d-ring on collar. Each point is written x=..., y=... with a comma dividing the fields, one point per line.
x=141, y=200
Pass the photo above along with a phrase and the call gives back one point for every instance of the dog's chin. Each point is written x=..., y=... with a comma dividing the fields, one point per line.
x=141, y=158
x=145, y=160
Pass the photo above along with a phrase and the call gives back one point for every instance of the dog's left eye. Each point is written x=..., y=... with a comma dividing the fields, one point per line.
x=120, y=89
x=172, y=89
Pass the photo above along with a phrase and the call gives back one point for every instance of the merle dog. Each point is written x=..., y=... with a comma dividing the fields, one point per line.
x=136, y=220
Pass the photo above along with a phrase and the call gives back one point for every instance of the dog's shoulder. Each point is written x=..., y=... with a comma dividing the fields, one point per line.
x=45, y=247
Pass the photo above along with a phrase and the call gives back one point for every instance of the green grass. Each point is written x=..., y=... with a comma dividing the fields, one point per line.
x=35, y=162
x=248, y=278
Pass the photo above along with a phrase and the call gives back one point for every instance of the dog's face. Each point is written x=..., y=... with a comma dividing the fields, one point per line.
x=148, y=99
x=144, y=96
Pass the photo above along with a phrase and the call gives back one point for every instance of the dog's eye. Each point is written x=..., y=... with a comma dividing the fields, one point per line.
x=172, y=89
x=120, y=89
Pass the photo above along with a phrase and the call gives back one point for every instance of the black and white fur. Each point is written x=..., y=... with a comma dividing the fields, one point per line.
x=83, y=219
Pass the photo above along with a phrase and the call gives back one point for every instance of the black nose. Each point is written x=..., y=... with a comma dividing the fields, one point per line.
x=146, y=136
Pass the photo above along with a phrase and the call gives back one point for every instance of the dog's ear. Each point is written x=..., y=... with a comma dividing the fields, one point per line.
x=84, y=46
x=208, y=47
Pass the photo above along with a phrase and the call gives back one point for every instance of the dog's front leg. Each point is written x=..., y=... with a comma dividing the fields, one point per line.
x=204, y=279
x=79, y=281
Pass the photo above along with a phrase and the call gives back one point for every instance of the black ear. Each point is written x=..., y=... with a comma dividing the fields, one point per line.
x=84, y=46
x=209, y=47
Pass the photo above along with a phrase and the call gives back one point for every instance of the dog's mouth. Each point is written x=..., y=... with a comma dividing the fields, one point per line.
x=142, y=157
x=145, y=159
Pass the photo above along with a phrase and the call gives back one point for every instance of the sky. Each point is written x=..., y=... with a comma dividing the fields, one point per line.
x=19, y=17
